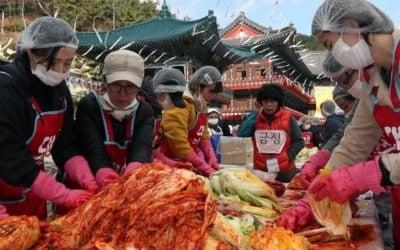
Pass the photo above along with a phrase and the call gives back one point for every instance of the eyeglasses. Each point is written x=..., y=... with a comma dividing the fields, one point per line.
x=129, y=89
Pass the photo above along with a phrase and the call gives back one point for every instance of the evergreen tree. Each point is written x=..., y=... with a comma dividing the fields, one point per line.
x=106, y=14
x=309, y=42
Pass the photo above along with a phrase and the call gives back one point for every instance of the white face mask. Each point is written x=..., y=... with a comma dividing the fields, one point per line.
x=307, y=127
x=357, y=56
x=49, y=77
x=119, y=114
x=213, y=121
x=356, y=89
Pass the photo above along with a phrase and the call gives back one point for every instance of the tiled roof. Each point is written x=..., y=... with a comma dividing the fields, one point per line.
x=165, y=39
x=155, y=30
x=242, y=19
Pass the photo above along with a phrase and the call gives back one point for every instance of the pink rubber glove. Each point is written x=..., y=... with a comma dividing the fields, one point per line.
x=206, y=147
x=132, y=166
x=105, y=175
x=48, y=188
x=199, y=164
x=297, y=217
x=160, y=156
x=77, y=168
x=348, y=182
x=184, y=165
x=3, y=212
x=312, y=166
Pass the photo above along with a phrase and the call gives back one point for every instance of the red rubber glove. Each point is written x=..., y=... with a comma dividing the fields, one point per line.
x=132, y=166
x=48, y=188
x=312, y=166
x=3, y=212
x=206, y=147
x=160, y=156
x=106, y=175
x=199, y=164
x=348, y=182
x=77, y=168
x=297, y=217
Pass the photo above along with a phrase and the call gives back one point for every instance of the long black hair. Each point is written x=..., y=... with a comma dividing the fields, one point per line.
x=176, y=97
x=46, y=55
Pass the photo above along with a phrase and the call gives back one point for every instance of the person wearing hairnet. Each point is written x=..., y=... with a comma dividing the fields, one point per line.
x=276, y=136
x=359, y=34
x=169, y=85
x=347, y=79
x=333, y=120
x=146, y=93
x=301, y=215
x=36, y=118
x=115, y=129
x=184, y=130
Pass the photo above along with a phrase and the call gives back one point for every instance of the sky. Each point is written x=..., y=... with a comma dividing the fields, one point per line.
x=269, y=13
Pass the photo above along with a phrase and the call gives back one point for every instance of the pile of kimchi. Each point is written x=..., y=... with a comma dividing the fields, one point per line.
x=154, y=207
x=277, y=238
x=19, y=232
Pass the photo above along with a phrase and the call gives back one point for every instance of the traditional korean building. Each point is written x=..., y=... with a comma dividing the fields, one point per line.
x=278, y=62
x=247, y=54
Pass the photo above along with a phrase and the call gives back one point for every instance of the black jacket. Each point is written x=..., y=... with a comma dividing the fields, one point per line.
x=90, y=129
x=297, y=139
x=17, y=119
x=317, y=135
x=332, y=124
x=225, y=128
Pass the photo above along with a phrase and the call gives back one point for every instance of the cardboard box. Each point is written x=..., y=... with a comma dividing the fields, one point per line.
x=236, y=150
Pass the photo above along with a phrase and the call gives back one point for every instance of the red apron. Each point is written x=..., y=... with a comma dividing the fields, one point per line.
x=156, y=133
x=383, y=147
x=307, y=136
x=389, y=121
x=117, y=152
x=20, y=200
x=194, y=136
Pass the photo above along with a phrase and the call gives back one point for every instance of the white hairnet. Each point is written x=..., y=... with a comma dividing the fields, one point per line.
x=206, y=75
x=169, y=81
x=333, y=14
x=339, y=92
x=329, y=107
x=47, y=32
x=331, y=67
